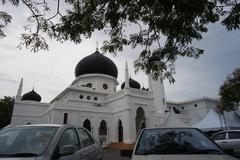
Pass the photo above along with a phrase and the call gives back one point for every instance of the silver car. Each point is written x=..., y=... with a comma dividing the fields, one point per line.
x=176, y=144
x=228, y=140
x=48, y=142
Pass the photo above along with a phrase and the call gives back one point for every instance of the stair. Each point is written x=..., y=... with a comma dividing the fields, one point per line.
x=120, y=146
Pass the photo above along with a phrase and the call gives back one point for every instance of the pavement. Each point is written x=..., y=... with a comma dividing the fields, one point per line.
x=111, y=154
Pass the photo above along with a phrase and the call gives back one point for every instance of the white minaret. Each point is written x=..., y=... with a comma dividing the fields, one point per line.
x=126, y=76
x=19, y=92
x=157, y=87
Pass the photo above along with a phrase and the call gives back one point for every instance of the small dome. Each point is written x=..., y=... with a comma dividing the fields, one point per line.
x=96, y=63
x=32, y=96
x=132, y=84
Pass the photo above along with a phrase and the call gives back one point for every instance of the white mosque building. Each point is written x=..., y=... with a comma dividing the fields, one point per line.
x=93, y=101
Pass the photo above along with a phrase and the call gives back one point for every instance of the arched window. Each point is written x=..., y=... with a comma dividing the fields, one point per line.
x=120, y=131
x=140, y=120
x=103, y=131
x=87, y=125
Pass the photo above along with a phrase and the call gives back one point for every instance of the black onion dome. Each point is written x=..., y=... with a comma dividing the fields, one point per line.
x=32, y=96
x=96, y=63
x=132, y=84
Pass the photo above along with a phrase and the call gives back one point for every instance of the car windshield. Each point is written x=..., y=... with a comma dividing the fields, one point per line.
x=175, y=141
x=25, y=141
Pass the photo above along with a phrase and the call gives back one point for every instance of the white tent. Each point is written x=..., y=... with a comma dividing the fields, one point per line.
x=173, y=122
x=212, y=122
x=232, y=119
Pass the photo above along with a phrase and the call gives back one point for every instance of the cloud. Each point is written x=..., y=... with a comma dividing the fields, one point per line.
x=8, y=80
x=51, y=71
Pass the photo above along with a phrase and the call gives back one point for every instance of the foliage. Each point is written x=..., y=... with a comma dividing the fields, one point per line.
x=6, y=109
x=230, y=91
x=164, y=29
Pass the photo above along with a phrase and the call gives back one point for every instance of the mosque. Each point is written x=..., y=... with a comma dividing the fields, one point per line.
x=93, y=101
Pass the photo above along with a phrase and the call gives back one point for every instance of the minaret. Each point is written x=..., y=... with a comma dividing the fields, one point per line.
x=157, y=87
x=19, y=92
x=126, y=76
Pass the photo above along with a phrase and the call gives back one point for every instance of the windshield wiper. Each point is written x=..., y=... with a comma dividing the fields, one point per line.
x=22, y=155
x=208, y=151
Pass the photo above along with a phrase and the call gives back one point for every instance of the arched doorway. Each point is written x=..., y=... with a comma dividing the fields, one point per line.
x=87, y=125
x=120, y=131
x=140, y=120
x=103, y=131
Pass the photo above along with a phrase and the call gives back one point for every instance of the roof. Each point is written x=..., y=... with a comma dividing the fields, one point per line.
x=193, y=100
x=132, y=84
x=232, y=119
x=96, y=63
x=212, y=121
x=173, y=122
x=32, y=96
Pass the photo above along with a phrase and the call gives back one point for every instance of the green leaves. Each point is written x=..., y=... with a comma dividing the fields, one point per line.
x=6, y=109
x=33, y=42
x=232, y=21
x=5, y=18
x=230, y=91
x=164, y=29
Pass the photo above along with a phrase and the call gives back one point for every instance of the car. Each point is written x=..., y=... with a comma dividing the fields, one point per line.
x=228, y=139
x=48, y=142
x=176, y=144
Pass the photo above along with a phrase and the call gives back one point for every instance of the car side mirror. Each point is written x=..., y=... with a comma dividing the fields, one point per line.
x=126, y=153
x=67, y=150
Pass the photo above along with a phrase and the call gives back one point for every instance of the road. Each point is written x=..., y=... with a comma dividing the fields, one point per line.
x=109, y=154
x=113, y=155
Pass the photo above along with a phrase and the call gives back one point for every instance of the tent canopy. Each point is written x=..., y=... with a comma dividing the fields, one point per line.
x=232, y=119
x=173, y=122
x=212, y=121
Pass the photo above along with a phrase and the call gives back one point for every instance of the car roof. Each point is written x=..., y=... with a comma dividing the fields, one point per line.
x=48, y=125
x=40, y=125
x=169, y=128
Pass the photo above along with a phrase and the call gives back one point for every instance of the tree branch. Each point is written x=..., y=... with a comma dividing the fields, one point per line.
x=34, y=15
x=57, y=13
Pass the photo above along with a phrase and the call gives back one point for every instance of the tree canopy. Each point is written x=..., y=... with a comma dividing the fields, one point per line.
x=230, y=91
x=6, y=109
x=164, y=29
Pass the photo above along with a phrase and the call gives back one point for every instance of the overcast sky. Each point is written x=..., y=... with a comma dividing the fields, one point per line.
x=52, y=71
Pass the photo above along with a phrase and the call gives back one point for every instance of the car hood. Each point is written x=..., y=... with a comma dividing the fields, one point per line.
x=184, y=157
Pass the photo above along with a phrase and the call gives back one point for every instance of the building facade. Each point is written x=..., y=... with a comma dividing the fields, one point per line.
x=93, y=101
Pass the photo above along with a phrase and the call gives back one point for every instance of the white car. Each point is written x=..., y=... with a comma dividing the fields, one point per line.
x=228, y=140
x=176, y=144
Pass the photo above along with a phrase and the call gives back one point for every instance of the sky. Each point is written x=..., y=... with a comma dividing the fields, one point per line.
x=50, y=72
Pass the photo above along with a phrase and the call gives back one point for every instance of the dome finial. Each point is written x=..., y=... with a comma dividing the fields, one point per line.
x=97, y=46
x=33, y=85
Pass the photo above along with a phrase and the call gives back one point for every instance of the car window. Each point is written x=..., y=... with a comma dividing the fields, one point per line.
x=220, y=136
x=69, y=137
x=234, y=135
x=85, y=139
x=174, y=141
x=25, y=140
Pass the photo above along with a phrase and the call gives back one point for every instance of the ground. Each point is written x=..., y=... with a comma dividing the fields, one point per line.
x=109, y=154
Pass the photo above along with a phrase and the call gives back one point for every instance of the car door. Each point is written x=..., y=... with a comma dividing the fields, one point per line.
x=68, y=137
x=90, y=148
x=220, y=139
x=234, y=140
